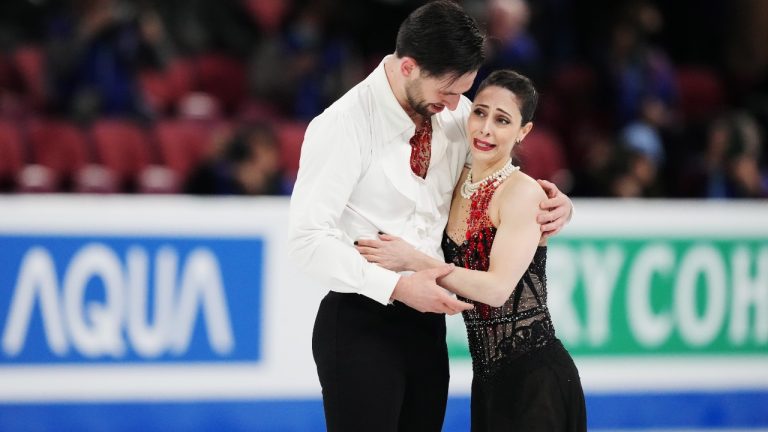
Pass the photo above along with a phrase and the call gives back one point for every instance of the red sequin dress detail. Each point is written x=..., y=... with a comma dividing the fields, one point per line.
x=421, y=148
x=499, y=334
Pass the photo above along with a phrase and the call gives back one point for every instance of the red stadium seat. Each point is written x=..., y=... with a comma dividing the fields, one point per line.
x=570, y=99
x=183, y=144
x=61, y=148
x=6, y=72
x=163, y=88
x=701, y=93
x=268, y=13
x=542, y=157
x=29, y=62
x=198, y=106
x=157, y=179
x=257, y=110
x=12, y=156
x=154, y=88
x=122, y=147
x=224, y=78
x=291, y=136
x=181, y=77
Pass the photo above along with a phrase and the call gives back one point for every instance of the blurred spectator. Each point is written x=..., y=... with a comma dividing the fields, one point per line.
x=643, y=150
x=371, y=24
x=553, y=24
x=510, y=46
x=730, y=166
x=224, y=27
x=643, y=134
x=634, y=174
x=306, y=67
x=593, y=175
x=746, y=51
x=95, y=52
x=249, y=164
x=631, y=90
x=639, y=72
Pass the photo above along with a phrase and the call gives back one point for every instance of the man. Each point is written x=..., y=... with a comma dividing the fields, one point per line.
x=385, y=157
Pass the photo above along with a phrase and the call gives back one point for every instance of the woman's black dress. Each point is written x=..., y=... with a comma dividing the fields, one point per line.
x=524, y=379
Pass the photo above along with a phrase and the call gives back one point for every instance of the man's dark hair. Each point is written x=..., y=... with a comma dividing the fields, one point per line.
x=443, y=39
x=518, y=84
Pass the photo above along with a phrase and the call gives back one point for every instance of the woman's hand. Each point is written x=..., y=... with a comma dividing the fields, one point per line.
x=555, y=211
x=390, y=252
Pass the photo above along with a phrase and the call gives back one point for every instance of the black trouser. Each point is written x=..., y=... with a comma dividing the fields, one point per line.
x=382, y=368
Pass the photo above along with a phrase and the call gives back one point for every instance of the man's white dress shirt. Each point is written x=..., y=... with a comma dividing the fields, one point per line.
x=355, y=179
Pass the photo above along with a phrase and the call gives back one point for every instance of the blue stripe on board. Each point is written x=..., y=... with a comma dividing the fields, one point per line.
x=743, y=410
x=679, y=410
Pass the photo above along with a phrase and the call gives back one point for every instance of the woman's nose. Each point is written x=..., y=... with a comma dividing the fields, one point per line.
x=485, y=129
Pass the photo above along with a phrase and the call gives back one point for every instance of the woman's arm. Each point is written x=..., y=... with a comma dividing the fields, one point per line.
x=517, y=237
x=396, y=254
x=513, y=248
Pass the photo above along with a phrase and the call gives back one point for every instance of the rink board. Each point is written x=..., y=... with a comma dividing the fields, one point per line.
x=177, y=313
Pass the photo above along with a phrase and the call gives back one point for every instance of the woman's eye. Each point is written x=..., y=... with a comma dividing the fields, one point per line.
x=503, y=121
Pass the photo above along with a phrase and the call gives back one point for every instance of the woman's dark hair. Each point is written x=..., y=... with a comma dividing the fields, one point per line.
x=518, y=84
x=443, y=39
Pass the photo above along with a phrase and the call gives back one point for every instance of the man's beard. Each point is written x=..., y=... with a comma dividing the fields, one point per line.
x=415, y=101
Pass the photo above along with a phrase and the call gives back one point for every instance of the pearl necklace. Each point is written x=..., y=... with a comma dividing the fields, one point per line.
x=468, y=188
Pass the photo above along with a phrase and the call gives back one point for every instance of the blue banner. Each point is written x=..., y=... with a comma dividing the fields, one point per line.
x=717, y=411
x=109, y=299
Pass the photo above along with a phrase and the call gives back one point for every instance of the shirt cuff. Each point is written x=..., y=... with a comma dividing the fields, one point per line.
x=573, y=211
x=379, y=284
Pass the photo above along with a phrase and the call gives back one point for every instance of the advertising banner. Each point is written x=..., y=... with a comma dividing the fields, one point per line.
x=179, y=313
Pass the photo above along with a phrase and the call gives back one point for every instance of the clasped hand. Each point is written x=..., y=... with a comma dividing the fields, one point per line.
x=419, y=290
x=555, y=211
x=390, y=252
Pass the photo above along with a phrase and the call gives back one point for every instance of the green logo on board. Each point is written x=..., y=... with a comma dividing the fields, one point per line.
x=654, y=296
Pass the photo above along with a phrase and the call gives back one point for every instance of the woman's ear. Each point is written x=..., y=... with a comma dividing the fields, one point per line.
x=524, y=132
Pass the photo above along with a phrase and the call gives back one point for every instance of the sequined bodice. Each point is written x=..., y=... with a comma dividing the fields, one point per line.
x=499, y=335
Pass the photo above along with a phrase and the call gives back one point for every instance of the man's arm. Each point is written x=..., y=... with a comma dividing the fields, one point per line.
x=330, y=168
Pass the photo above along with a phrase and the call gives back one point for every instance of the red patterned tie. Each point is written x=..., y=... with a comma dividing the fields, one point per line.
x=421, y=148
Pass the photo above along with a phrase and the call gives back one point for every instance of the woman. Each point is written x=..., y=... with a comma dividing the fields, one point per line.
x=524, y=379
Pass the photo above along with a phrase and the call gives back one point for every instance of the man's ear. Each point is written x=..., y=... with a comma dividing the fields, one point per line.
x=408, y=66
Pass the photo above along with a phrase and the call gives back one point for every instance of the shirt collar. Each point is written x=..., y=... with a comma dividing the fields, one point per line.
x=394, y=119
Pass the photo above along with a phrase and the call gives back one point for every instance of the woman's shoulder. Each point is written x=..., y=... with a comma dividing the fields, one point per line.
x=522, y=188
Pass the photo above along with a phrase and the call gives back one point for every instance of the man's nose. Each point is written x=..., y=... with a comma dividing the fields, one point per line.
x=451, y=101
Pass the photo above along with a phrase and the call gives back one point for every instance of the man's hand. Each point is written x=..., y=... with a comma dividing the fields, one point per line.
x=555, y=211
x=420, y=291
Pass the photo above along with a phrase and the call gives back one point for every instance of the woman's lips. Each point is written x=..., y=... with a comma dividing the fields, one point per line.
x=482, y=145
